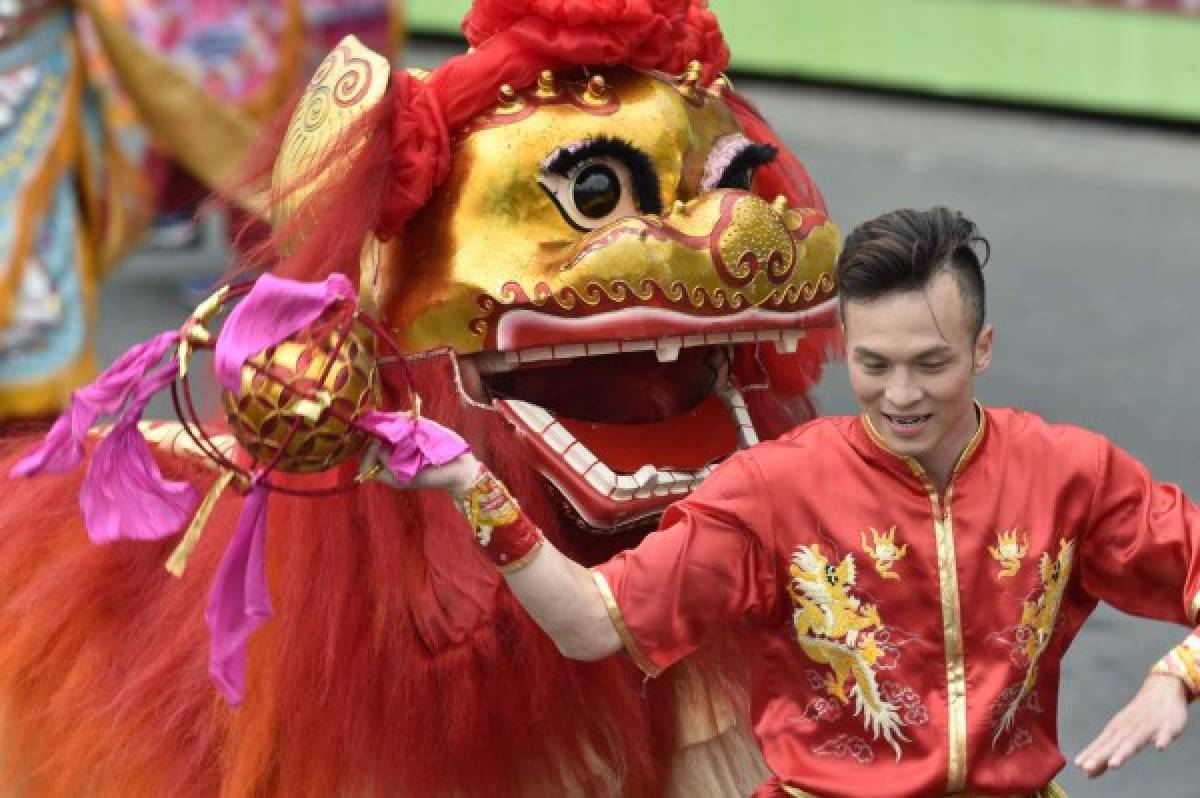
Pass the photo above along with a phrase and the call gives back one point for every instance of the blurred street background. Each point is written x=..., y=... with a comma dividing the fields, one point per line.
x=1093, y=213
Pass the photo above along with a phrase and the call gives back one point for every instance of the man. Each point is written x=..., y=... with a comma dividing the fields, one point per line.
x=908, y=580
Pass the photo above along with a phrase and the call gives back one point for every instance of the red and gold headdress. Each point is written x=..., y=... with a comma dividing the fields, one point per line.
x=396, y=169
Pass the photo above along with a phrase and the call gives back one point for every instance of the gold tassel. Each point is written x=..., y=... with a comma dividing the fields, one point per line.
x=178, y=560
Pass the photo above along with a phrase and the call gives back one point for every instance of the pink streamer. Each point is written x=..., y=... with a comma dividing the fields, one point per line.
x=415, y=446
x=124, y=495
x=274, y=309
x=62, y=448
x=240, y=601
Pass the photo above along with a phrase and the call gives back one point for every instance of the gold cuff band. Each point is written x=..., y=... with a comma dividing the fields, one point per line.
x=618, y=622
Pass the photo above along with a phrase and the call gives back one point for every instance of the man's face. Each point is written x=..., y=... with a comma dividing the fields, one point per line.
x=913, y=361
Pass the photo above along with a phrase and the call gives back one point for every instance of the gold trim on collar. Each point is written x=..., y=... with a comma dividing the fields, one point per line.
x=1196, y=608
x=918, y=470
x=618, y=622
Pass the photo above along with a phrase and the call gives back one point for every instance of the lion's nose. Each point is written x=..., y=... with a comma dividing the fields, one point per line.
x=750, y=237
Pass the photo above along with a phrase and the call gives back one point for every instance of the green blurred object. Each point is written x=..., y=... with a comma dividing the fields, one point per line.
x=1042, y=52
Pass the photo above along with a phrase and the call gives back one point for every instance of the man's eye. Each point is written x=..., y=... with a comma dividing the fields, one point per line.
x=874, y=368
x=933, y=366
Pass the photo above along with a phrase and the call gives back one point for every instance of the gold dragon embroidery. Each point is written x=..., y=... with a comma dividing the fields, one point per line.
x=883, y=551
x=1009, y=552
x=1038, y=619
x=835, y=628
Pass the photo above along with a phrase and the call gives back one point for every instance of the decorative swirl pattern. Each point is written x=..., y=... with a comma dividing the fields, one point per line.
x=315, y=110
x=751, y=238
x=846, y=746
x=349, y=82
x=804, y=292
x=325, y=68
x=604, y=297
x=354, y=82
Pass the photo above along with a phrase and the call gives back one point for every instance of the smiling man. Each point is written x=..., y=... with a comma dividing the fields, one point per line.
x=906, y=581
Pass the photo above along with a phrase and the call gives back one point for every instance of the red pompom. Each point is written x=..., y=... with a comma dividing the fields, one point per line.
x=650, y=34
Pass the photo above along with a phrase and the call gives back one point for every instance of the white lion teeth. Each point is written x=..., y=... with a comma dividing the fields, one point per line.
x=666, y=348
x=646, y=477
x=732, y=397
x=535, y=354
x=567, y=351
x=647, y=481
x=534, y=417
x=788, y=341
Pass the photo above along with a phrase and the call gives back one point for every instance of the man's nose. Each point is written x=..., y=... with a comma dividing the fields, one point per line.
x=902, y=390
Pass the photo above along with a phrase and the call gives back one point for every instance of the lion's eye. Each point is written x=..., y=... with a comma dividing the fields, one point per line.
x=600, y=181
x=596, y=190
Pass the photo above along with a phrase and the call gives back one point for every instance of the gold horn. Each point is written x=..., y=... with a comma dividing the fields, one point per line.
x=350, y=82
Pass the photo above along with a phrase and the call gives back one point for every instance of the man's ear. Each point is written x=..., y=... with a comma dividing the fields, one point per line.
x=983, y=349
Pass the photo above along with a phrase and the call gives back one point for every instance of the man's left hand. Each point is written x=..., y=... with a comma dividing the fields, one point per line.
x=1157, y=714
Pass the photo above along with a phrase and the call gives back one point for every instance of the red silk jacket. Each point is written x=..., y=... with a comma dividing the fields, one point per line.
x=907, y=643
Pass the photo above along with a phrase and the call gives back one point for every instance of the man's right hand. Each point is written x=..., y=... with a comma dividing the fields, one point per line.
x=455, y=477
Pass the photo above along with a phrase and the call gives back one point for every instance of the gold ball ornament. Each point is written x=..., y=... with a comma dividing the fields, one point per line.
x=298, y=400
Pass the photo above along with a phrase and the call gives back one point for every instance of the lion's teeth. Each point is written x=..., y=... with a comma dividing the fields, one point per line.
x=788, y=340
x=668, y=349
x=646, y=476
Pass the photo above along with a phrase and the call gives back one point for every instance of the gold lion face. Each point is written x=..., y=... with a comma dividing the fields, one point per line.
x=592, y=262
x=577, y=214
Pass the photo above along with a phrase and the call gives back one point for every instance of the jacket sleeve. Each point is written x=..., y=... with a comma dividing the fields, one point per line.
x=707, y=565
x=1141, y=551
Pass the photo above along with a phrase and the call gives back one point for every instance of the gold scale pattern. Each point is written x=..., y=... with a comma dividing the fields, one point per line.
x=283, y=387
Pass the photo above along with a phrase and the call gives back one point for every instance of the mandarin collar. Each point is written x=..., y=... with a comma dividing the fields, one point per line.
x=873, y=447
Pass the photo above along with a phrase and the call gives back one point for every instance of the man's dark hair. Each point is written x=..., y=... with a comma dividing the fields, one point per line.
x=904, y=250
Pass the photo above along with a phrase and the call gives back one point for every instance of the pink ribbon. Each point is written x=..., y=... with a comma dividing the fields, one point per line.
x=124, y=494
x=240, y=601
x=274, y=309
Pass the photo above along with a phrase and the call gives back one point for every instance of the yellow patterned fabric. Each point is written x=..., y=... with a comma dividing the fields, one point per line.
x=70, y=202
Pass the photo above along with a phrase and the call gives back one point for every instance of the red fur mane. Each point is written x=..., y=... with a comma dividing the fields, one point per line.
x=397, y=663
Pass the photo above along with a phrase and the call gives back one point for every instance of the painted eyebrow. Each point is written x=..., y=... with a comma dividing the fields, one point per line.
x=641, y=168
x=732, y=152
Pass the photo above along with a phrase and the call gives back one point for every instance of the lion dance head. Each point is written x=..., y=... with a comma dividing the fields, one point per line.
x=604, y=243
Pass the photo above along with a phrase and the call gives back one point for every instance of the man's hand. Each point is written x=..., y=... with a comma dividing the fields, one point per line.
x=455, y=477
x=1156, y=714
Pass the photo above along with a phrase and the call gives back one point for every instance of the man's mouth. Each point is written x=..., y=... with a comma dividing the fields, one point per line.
x=907, y=424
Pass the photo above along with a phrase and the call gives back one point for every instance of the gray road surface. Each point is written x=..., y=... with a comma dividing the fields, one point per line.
x=1093, y=288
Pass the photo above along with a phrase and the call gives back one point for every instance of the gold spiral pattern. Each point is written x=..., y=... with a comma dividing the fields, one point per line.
x=348, y=83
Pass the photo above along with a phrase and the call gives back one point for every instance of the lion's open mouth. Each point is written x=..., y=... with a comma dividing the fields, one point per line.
x=621, y=429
